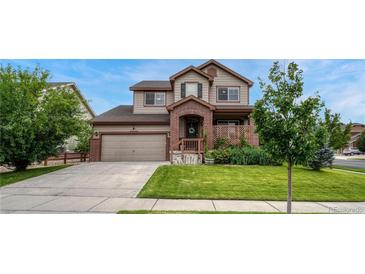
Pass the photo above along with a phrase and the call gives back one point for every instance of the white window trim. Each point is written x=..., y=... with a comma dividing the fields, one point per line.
x=226, y=122
x=228, y=91
x=154, y=103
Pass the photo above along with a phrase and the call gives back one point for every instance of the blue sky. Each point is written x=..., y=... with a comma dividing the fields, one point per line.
x=105, y=83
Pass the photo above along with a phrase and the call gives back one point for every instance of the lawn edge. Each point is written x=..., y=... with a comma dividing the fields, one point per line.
x=57, y=167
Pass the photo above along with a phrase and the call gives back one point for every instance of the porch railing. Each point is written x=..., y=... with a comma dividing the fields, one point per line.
x=192, y=145
x=234, y=133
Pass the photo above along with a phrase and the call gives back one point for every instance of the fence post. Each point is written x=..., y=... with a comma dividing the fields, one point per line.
x=45, y=162
x=65, y=158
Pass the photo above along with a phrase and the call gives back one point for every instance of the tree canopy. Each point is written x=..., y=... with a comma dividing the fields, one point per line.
x=361, y=142
x=286, y=122
x=339, y=135
x=35, y=120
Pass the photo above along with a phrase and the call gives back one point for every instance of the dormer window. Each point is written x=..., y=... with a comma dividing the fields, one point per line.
x=154, y=98
x=191, y=89
x=228, y=94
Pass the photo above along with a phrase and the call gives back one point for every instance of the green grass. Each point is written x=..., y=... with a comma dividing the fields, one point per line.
x=16, y=176
x=253, y=183
x=190, y=212
x=362, y=170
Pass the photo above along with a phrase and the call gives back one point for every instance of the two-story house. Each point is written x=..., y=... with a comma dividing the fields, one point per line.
x=191, y=110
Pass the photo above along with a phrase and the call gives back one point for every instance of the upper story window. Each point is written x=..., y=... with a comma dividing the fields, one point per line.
x=191, y=88
x=155, y=98
x=228, y=94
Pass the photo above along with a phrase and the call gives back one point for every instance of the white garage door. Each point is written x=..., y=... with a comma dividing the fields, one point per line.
x=133, y=147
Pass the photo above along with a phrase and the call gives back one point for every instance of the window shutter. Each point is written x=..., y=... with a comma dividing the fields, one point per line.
x=183, y=90
x=200, y=90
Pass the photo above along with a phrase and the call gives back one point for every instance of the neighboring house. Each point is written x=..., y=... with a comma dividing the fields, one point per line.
x=356, y=131
x=88, y=113
x=176, y=118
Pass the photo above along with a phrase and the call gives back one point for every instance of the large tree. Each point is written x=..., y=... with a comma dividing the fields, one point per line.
x=338, y=134
x=286, y=122
x=35, y=121
x=361, y=142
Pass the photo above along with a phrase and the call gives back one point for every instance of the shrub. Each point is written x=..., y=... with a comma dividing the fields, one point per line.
x=251, y=156
x=322, y=158
x=221, y=156
x=209, y=155
x=221, y=143
x=243, y=156
x=243, y=142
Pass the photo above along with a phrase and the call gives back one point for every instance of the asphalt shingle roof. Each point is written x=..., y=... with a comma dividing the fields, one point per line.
x=152, y=85
x=124, y=114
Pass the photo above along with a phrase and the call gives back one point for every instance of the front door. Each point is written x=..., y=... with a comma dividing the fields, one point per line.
x=192, y=127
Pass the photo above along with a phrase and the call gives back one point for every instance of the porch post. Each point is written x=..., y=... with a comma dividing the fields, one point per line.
x=253, y=136
x=208, y=128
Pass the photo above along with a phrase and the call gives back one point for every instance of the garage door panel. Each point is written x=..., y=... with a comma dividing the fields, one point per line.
x=151, y=147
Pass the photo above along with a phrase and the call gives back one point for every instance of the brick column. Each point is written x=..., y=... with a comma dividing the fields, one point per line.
x=174, y=129
x=95, y=146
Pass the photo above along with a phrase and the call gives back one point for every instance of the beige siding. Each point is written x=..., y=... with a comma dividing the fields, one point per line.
x=191, y=77
x=139, y=107
x=125, y=128
x=223, y=78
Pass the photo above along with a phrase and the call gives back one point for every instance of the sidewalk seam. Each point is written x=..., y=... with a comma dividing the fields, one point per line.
x=57, y=197
x=272, y=206
x=215, y=209
x=154, y=204
x=97, y=204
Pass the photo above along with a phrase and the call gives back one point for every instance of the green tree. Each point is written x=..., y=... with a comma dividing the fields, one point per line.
x=35, y=121
x=285, y=123
x=83, y=138
x=339, y=135
x=361, y=142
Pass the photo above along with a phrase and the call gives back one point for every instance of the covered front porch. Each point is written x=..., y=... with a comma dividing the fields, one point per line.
x=196, y=125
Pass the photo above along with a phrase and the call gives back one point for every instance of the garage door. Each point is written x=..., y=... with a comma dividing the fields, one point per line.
x=133, y=147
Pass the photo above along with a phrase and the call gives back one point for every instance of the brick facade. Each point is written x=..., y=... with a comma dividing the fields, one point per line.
x=191, y=108
x=95, y=145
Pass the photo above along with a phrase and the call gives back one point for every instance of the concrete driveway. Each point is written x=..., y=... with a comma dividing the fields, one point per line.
x=81, y=188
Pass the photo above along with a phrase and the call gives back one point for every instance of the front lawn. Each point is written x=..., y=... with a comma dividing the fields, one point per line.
x=16, y=176
x=253, y=183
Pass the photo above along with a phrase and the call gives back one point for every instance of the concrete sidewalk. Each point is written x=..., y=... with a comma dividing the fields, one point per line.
x=73, y=204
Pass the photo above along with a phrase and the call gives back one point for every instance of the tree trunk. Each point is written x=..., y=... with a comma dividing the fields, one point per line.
x=288, y=209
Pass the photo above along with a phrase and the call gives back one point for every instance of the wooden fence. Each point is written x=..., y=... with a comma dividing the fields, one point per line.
x=68, y=156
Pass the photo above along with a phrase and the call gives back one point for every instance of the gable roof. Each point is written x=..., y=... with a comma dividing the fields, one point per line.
x=152, y=85
x=189, y=98
x=223, y=67
x=188, y=69
x=76, y=89
x=123, y=115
